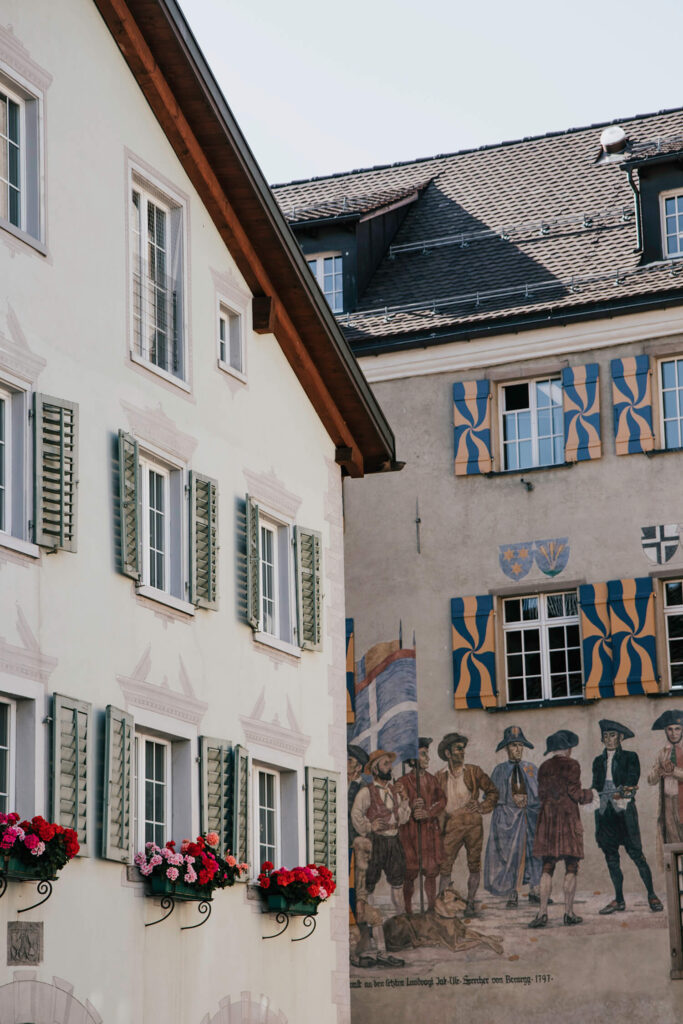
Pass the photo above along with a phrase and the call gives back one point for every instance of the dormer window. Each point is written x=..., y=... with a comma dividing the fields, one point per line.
x=327, y=270
x=672, y=224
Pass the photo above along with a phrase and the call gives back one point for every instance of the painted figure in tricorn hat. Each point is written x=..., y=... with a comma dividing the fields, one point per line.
x=559, y=834
x=616, y=773
x=667, y=773
x=462, y=783
x=421, y=834
x=509, y=863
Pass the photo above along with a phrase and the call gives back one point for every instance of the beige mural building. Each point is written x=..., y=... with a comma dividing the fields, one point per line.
x=517, y=310
x=177, y=409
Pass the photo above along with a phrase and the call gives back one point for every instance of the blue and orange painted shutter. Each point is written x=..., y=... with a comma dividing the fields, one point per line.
x=632, y=397
x=472, y=427
x=632, y=617
x=596, y=641
x=474, y=661
x=581, y=397
x=350, y=675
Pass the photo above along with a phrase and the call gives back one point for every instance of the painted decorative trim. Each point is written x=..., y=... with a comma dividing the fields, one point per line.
x=248, y=1009
x=15, y=355
x=41, y=1002
x=155, y=427
x=267, y=489
x=26, y=661
x=288, y=739
x=15, y=54
x=140, y=693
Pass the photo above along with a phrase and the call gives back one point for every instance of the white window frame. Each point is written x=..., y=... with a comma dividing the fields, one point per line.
x=141, y=741
x=30, y=100
x=6, y=462
x=531, y=382
x=284, y=612
x=176, y=209
x=318, y=272
x=233, y=320
x=669, y=611
x=674, y=193
x=543, y=623
x=19, y=468
x=11, y=750
x=259, y=770
x=679, y=390
x=148, y=466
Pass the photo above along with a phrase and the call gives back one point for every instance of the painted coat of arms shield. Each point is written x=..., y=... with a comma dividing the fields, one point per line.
x=516, y=560
x=660, y=543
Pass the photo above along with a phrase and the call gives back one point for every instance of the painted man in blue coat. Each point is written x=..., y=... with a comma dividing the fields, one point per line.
x=509, y=863
x=616, y=773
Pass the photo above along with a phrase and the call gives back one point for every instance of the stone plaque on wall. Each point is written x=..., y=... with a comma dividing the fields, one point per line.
x=24, y=942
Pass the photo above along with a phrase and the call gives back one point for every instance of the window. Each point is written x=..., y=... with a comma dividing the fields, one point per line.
x=327, y=270
x=673, y=613
x=532, y=426
x=542, y=647
x=20, y=159
x=230, y=341
x=275, y=558
x=672, y=224
x=156, y=280
x=5, y=462
x=7, y=754
x=153, y=790
x=672, y=402
x=267, y=815
x=11, y=140
x=156, y=531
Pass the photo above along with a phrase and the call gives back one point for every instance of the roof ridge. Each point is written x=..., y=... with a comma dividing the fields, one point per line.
x=475, y=149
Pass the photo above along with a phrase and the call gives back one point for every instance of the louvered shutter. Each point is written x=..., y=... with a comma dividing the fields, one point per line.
x=217, y=789
x=632, y=397
x=71, y=766
x=581, y=400
x=55, y=438
x=241, y=817
x=253, y=565
x=307, y=555
x=117, y=818
x=472, y=427
x=129, y=506
x=321, y=818
x=632, y=618
x=474, y=661
x=596, y=641
x=203, y=541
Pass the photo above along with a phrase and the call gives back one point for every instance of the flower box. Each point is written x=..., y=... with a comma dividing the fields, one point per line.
x=160, y=886
x=276, y=901
x=14, y=867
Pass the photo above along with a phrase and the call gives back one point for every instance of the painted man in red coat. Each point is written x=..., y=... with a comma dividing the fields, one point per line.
x=559, y=832
x=425, y=810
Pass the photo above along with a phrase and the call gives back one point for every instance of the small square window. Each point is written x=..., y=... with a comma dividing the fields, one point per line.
x=327, y=269
x=532, y=424
x=542, y=647
x=231, y=341
x=671, y=205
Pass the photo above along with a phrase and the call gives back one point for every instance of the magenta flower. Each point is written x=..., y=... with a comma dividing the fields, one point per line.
x=172, y=873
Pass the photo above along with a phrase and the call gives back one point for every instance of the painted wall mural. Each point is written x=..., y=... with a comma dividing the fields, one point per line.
x=550, y=556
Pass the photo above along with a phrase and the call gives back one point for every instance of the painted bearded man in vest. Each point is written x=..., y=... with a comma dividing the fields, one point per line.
x=462, y=784
x=509, y=862
x=667, y=773
x=421, y=834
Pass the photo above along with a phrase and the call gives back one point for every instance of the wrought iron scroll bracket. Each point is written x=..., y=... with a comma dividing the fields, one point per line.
x=167, y=904
x=44, y=890
x=308, y=922
x=204, y=908
x=279, y=918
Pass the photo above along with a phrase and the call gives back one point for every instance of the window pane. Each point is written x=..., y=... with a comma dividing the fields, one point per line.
x=532, y=664
x=516, y=397
x=512, y=611
x=674, y=592
x=530, y=607
x=534, y=689
x=669, y=374
x=515, y=689
x=532, y=640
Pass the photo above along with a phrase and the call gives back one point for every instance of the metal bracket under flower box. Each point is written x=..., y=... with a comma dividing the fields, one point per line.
x=173, y=892
x=287, y=909
x=14, y=868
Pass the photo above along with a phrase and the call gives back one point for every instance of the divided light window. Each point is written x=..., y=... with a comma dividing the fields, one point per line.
x=672, y=402
x=327, y=270
x=5, y=462
x=6, y=756
x=542, y=647
x=672, y=225
x=153, y=790
x=532, y=428
x=156, y=534
x=11, y=171
x=230, y=344
x=267, y=815
x=673, y=613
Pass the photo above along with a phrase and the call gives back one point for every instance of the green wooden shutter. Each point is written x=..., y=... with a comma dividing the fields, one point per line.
x=217, y=782
x=71, y=766
x=307, y=554
x=321, y=818
x=253, y=565
x=117, y=817
x=55, y=438
x=129, y=505
x=203, y=541
x=240, y=829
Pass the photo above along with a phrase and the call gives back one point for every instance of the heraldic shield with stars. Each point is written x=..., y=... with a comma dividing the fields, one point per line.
x=660, y=543
x=551, y=557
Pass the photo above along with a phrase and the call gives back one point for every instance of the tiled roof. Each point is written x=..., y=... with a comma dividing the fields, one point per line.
x=344, y=206
x=518, y=229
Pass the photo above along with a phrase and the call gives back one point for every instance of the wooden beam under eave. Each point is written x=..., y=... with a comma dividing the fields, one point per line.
x=263, y=314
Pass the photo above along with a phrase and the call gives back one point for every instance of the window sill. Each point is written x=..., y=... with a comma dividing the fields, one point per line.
x=24, y=547
x=530, y=705
x=163, y=598
x=531, y=469
x=659, y=451
x=279, y=645
x=23, y=236
x=158, y=372
x=227, y=368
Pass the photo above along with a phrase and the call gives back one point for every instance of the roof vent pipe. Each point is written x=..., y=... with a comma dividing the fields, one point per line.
x=613, y=139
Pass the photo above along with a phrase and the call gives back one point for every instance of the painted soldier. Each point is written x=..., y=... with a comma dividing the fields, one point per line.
x=421, y=834
x=667, y=773
x=356, y=760
x=616, y=773
x=462, y=785
x=509, y=862
x=559, y=832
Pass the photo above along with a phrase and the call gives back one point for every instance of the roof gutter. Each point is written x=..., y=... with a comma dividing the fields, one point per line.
x=638, y=211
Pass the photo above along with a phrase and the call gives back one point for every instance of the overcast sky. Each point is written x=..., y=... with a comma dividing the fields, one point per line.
x=322, y=87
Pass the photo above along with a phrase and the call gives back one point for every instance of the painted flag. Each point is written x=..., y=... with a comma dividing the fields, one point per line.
x=350, y=676
x=386, y=700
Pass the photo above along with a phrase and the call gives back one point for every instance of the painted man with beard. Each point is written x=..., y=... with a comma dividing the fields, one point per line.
x=421, y=834
x=667, y=773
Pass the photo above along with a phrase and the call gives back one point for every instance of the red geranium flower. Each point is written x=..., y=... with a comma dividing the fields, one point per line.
x=267, y=866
